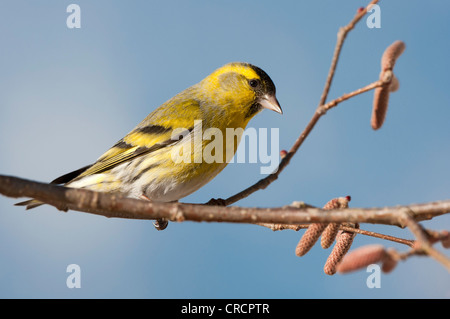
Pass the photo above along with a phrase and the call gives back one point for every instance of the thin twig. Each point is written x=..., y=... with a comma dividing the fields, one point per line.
x=263, y=183
x=341, y=36
x=347, y=96
x=278, y=227
x=407, y=242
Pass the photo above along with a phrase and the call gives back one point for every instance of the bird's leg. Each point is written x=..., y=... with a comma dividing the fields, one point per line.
x=161, y=223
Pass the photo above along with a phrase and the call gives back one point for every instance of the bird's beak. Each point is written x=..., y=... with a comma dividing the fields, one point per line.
x=270, y=102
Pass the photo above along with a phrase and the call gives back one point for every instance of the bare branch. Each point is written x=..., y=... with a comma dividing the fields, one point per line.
x=112, y=205
x=408, y=218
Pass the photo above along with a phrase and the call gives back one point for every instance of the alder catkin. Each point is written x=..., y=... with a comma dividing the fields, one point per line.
x=380, y=106
x=389, y=261
x=395, y=84
x=361, y=258
x=329, y=235
x=331, y=231
x=445, y=240
x=314, y=230
x=343, y=243
x=309, y=238
x=381, y=94
x=391, y=55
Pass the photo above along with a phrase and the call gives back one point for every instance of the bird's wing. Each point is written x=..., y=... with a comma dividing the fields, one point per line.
x=153, y=133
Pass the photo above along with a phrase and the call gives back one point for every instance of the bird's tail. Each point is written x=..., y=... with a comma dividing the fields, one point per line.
x=32, y=203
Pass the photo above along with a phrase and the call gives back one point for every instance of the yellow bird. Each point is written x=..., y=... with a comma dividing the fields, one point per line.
x=146, y=162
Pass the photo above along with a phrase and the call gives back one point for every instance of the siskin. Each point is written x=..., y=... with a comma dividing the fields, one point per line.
x=141, y=165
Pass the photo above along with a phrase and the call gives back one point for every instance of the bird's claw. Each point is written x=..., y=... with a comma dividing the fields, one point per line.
x=161, y=224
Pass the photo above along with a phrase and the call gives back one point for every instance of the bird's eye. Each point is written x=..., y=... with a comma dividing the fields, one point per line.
x=254, y=83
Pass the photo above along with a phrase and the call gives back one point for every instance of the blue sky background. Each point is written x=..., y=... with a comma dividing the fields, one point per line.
x=67, y=95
